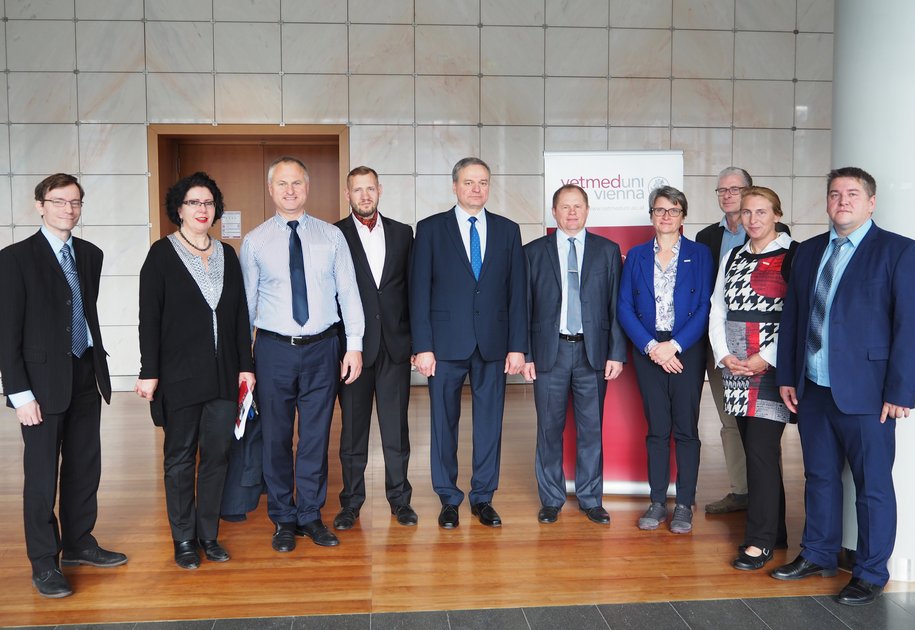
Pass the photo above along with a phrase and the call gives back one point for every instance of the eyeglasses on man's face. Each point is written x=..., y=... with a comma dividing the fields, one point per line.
x=732, y=190
x=671, y=212
x=76, y=204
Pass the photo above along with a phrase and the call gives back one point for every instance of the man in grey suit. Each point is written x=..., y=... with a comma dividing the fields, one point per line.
x=576, y=345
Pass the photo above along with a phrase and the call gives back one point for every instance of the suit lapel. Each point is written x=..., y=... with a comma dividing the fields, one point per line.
x=356, y=248
x=645, y=263
x=552, y=253
x=587, y=261
x=452, y=230
x=46, y=258
x=389, y=247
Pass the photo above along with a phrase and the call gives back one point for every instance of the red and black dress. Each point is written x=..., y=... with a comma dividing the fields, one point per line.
x=746, y=311
x=754, y=291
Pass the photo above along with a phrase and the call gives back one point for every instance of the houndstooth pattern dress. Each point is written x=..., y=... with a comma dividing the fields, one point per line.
x=754, y=292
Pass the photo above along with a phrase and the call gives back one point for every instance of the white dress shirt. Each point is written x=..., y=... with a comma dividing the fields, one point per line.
x=373, y=244
x=463, y=223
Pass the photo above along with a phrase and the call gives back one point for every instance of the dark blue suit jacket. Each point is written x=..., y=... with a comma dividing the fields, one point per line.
x=871, y=323
x=451, y=313
x=692, y=293
x=600, y=279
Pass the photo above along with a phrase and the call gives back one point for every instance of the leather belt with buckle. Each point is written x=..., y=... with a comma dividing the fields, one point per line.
x=572, y=338
x=302, y=340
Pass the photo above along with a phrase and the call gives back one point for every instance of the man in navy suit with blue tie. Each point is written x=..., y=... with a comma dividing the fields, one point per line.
x=846, y=367
x=468, y=316
x=577, y=345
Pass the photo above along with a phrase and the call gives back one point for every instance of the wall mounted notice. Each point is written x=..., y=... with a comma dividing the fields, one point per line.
x=231, y=224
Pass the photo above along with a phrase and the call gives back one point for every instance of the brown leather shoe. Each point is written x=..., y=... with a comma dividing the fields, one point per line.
x=730, y=503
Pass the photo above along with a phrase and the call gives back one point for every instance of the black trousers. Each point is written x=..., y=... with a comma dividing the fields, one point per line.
x=388, y=383
x=762, y=443
x=671, y=403
x=207, y=428
x=71, y=441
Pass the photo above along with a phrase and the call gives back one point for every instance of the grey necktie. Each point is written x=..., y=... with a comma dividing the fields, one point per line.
x=79, y=333
x=573, y=308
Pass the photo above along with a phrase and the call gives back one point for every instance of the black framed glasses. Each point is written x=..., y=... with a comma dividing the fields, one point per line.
x=733, y=190
x=671, y=212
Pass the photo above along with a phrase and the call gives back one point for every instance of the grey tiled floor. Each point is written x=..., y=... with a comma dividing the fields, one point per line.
x=893, y=611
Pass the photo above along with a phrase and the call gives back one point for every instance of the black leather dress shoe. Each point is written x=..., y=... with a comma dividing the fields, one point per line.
x=186, y=555
x=52, y=583
x=486, y=513
x=405, y=515
x=448, y=517
x=214, y=551
x=318, y=532
x=859, y=593
x=800, y=569
x=597, y=514
x=346, y=518
x=94, y=556
x=746, y=562
x=548, y=514
x=284, y=538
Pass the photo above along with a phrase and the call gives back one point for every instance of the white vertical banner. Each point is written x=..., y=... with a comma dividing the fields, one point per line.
x=617, y=182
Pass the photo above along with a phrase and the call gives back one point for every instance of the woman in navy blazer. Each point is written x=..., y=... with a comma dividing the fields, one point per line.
x=663, y=307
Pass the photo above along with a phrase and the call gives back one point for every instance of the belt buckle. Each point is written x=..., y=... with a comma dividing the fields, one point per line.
x=296, y=341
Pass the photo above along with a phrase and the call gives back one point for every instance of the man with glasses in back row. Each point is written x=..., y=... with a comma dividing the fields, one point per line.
x=721, y=238
x=55, y=374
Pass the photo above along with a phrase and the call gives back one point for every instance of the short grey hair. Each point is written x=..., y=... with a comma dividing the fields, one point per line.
x=464, y=163
x=285, y=159
x=736, y=170
x=670, y=193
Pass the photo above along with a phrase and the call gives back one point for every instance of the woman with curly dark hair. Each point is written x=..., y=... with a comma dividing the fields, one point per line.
x=195, y=347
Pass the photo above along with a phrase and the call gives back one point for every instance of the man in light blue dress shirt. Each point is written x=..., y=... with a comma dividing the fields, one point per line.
x=297, y=269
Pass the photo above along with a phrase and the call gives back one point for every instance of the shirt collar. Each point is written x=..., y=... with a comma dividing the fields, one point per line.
x=282, y=221
x=675, y=249
x=562, y=237
x=724, y=223
x=56, y=243
x=360, y=225
x=855, y=237
x=463, y=215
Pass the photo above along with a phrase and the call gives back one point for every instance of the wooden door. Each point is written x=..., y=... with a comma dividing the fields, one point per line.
x=239, y=168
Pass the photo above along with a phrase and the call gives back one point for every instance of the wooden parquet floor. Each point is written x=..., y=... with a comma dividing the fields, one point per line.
x=380, y=566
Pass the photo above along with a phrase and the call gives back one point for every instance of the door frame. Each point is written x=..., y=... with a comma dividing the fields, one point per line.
x=156, y=134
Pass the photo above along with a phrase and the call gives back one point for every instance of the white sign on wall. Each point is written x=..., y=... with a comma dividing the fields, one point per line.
x=231, y=224
x=617, y=182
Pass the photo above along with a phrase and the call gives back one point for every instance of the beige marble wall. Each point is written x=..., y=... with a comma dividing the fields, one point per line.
x=422, y=83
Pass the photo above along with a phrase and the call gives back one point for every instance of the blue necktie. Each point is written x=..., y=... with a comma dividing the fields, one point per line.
x=476, y=252
x=824, y=284
x=297, y=276
x=573, y=294
x=79, y=332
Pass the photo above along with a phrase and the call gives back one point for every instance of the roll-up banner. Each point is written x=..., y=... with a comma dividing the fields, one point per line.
x=618, y=184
